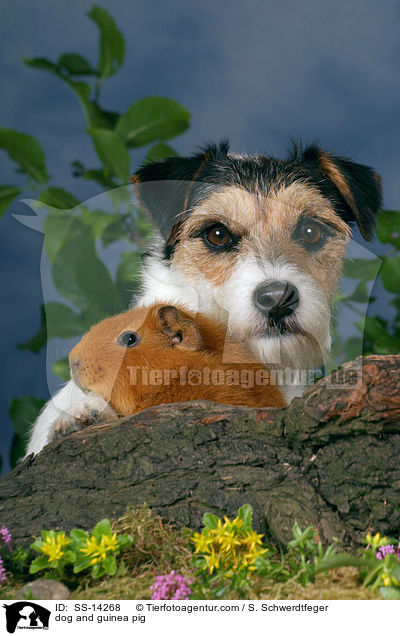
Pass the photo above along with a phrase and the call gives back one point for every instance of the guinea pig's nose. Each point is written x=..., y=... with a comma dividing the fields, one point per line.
x=277, y=299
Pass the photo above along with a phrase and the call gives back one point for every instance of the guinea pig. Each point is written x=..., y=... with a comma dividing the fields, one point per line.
x=162, y=354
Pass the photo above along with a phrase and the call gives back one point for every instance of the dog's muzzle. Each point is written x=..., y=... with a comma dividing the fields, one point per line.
x=276, y=300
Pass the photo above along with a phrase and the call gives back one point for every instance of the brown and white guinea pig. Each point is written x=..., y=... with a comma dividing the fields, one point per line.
x=162, y=354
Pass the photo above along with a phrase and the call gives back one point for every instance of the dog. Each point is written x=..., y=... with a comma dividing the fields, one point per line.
x=254, y=242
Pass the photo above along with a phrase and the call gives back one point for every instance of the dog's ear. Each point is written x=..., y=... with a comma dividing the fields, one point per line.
x=181, y=333
x=357, y=188
x=167, y=189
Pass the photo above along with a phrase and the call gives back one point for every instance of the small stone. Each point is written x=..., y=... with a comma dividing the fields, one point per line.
x=44, y=589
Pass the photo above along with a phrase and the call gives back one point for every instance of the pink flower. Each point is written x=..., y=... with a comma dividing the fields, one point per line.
x=6, y=535
x=388, y=549
x=170, y=586
x=3, y=574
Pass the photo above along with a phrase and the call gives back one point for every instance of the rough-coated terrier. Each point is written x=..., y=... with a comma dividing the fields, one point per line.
x=252, y=241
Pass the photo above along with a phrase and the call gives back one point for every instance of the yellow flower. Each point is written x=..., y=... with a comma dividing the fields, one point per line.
x=252, y=539
x=110, y=542
x=375, y=541
x=228, y=541
x=53, y=546
x=228, y=547
x=98, y=550
x=213, y=561
x=202, y=542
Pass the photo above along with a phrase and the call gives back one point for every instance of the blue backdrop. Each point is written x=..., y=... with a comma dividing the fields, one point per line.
x=257, y=72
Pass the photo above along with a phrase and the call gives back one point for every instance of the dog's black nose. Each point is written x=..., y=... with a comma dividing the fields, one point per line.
x=277, y=299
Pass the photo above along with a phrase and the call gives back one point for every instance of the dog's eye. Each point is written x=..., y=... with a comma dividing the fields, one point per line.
x=128, y=339
x=217, y=236
x=311, y=234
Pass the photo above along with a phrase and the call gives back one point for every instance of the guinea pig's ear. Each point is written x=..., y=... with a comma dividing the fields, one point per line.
x=180, y=332
x=166, y=189
x=356, y=190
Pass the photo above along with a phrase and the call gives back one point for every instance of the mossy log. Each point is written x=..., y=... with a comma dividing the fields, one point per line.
x=331, y=459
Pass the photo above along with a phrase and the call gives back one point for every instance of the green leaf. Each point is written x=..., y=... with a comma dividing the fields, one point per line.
x=383, y=341
x=41, y=63
x=388, y=227
x=100, y=177
x=58, y=198
x=124, y=540
x=95, y=282
x=159, y=152
x=40, y=563
x=95, y=116
x=24, y=411
x=390, y=593
x=210, y=521
x=61, y=368
x=110, y=565
x=117, y=230
x=80, y=276
x=26, y=152
x=151, y=119
x=71, y=254
x=97, y=570
x=75, y=64
x=37, y=544
x=362, y=268
x=112, y=152
x=92, y=315
x=353, y=347
x=62, y=322
x=102, y=527
x=7, y=195
x=78, y=535
x=97, y=220
x=127, y=274
x=390, y=274
x=246, y=514
x=69, y=556
x=100, y=118
x=339, y=561
x=112, y=44
x=60, y=228
x=82, y=92
x=360, y=294
x=82, y=564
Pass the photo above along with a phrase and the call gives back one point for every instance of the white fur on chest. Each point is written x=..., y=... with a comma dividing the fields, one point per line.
x=231, y=304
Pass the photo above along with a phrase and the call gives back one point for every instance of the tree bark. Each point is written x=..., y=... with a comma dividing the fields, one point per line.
x=331, y=459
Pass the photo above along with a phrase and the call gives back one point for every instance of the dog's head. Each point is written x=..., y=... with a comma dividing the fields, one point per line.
x=261, y=239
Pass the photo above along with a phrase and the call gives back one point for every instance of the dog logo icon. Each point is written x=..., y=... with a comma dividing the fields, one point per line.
x=26, y=615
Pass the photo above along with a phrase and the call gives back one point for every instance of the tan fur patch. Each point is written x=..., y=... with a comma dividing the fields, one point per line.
x=283, y=209
x=338, y=179
x=265, y=221
x=234, y=207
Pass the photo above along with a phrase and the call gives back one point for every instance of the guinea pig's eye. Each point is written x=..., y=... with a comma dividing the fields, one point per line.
x=218, y=237
x=311, y=234
x=128, y=339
